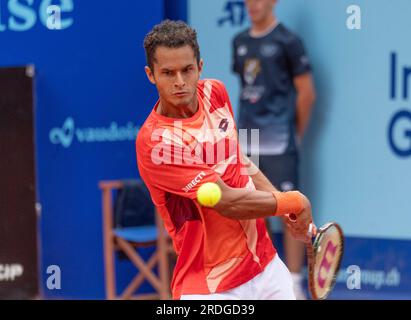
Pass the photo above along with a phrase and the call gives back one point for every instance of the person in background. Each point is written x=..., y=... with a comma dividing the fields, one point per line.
x=277, y=95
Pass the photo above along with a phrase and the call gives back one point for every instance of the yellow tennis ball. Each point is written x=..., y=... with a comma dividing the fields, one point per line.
x=209, y=194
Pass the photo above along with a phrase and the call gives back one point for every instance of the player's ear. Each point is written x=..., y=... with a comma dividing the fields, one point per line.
x=150, y=75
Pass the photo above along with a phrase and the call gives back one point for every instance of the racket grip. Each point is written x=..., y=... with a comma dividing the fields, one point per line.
x=312, y=230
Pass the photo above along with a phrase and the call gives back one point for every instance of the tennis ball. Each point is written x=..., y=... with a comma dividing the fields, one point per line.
x=209, y=194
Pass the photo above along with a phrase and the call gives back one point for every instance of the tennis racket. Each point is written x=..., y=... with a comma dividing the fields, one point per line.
x=324, y=259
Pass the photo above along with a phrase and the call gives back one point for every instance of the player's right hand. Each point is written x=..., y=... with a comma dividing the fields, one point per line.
x=299, y=228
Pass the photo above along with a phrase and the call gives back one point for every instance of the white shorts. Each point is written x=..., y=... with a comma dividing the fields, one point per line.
x=274, y=283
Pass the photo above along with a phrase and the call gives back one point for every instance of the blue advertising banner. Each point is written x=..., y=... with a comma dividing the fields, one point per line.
x=91, y=95
x=356, y=155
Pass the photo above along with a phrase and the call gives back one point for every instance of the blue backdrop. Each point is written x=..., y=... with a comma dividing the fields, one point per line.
x=91, y=97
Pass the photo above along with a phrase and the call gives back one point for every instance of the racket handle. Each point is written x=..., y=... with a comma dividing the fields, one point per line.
x=312, y=230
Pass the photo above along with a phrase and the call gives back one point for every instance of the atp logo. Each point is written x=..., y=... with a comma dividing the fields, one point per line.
x=326, y=262
x=235, y=13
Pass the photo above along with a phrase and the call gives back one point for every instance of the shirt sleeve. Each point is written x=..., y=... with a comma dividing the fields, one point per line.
x=223, y=95
x=297, y=57
x=171, y=169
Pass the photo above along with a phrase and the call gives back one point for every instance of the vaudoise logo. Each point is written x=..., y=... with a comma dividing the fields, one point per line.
x=68, y=133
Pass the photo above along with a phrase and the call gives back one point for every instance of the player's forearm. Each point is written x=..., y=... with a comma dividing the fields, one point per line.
x=241, y=203
x=246, y=204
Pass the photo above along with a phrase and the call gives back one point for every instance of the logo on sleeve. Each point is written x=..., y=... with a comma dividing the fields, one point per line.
x=223, y=125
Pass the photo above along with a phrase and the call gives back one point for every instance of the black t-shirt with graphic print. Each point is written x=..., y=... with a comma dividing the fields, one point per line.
x=267, y=66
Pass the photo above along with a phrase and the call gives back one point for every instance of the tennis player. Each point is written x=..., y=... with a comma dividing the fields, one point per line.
x=188, y=139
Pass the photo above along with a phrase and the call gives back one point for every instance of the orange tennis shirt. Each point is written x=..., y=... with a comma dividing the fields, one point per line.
x=175, y=157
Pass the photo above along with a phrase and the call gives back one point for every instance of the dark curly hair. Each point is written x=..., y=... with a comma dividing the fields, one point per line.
x=170, y=34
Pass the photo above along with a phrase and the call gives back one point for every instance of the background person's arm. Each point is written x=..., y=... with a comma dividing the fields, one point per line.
x=305, y=99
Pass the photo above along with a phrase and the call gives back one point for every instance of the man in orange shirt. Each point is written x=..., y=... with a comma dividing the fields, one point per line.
x=188, y=139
